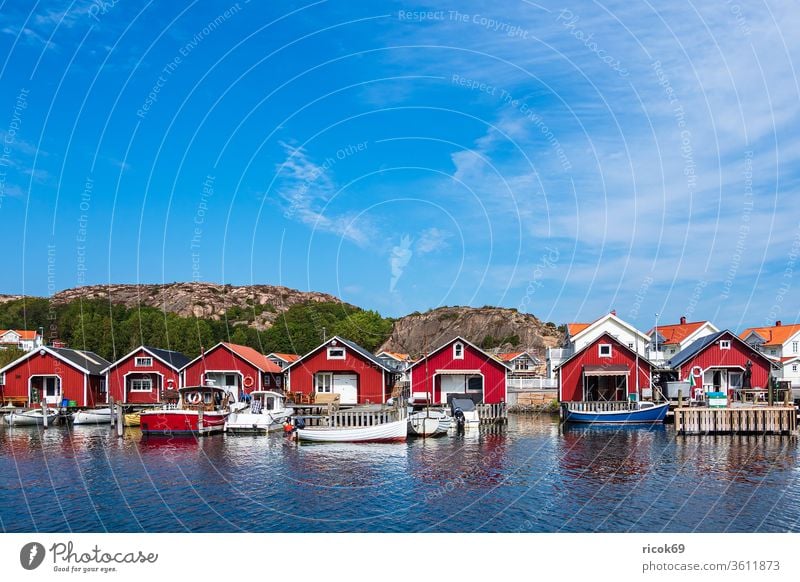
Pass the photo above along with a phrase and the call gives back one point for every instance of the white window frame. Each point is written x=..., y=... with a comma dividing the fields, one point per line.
x=458, y=351
x=724, y=344
x=600, y=353
x=794, y=347
x=337, y=348
x=794, y=367
x=134, y=381
x=773, y=352
x=3, y=379
x=326, y=389
x=139, y=362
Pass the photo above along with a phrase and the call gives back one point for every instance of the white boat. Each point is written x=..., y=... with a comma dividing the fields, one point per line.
x=267, y=411
x=92, y=416
x=427, y=423
x=395, y=431
x=32, y=417
x=464, y=413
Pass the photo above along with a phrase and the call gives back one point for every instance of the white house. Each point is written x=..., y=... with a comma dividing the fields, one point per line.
x=781, y=343
x=668, y=340
x=23, y=339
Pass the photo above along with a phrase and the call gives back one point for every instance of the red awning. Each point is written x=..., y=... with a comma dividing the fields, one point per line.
x=608, y=370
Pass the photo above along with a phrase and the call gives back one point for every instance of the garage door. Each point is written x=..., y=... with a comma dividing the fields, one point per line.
x=347, y=386
x=459, y=384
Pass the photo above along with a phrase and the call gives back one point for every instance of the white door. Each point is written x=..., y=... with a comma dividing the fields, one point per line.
x=52, y=390
x=452, y=384
x=347, y=386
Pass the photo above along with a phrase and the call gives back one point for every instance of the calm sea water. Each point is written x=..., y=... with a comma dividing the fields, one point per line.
x=530, y=477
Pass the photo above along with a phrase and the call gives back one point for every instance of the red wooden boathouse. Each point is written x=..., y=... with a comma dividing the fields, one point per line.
x=339, y=366
x=142, y=376
x=240, y=369
x=459, y=367
x=604, y=369
x=55, y=374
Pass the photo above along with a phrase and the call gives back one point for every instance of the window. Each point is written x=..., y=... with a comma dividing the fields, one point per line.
x=773, y=352
x=725, y=344
x=630, y=345
x=336, y=353
x=458, y=351
x=143, y=362
x=267, y=380
x=3, y=379
x=794, y=368
x=604, y=350
x=522, y=364
x=141, y=385
x=794, y=347
x=324, y=383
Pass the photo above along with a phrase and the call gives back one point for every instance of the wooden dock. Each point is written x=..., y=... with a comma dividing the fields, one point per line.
x=492, y=413
x=736, y=420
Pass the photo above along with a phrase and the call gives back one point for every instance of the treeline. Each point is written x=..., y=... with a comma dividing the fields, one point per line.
x=114, y=330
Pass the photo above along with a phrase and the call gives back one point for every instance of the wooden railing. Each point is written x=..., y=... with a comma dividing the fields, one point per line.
x=492, y=413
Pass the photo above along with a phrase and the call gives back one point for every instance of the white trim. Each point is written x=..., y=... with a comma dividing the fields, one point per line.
x=222, y=344
x=466, y=342
x=343, y=350
x=148, y=359
x=724, y=344
x=125, y=383
x=466, y=373
x=458, y=347
x=599, y=322
x=373, y=360
x=610, y=353
x=60, y=387
x=142, y=348
x=46, y=349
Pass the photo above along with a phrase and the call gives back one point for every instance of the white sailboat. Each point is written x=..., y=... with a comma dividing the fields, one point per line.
x=395, y=431
x=32, y=417
x=92, y=416
x=267, y=412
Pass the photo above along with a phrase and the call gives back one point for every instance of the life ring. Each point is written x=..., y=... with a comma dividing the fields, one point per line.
x=697, y=371
x=248, y=381
x=193, y=398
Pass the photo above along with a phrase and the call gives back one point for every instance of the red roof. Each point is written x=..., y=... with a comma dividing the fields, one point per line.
x=256, y=358
x=398, y=356
x=22, y=333
x=507, y=357
x=675, y=334
x=774, y=335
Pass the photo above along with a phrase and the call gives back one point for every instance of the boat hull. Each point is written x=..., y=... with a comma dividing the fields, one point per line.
x=428, y=424
x=99, y=416
x=390, y=432
x=31, y=418
x=652, y=415
x=132, y=419
x=175, y=422
x=246, y=422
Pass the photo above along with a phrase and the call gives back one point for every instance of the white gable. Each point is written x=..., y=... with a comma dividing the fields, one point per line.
x=622, y=331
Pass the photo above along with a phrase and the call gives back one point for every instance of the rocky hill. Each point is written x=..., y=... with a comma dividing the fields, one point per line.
x=7, y=298
x=203, y=300
x=494, y=328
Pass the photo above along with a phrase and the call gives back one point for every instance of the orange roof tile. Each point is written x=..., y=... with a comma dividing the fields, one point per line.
x=507, y=357
x=287, y=357
x=675, y=334
x=398, y=355
x=576, y=328
x=774, y=335
x=23, y=333
x=254, y=357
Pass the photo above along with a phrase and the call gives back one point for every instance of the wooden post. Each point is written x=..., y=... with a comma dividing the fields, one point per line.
x=787, y=396
x=770, y=395
x=200, y=420
x=44, y=412
x=113, y=409
x=680, y=398
x=120, y=423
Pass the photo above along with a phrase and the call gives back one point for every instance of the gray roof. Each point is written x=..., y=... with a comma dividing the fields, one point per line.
x=176, y=360
x=696, y=346
x=366, y=353
x=86, y=360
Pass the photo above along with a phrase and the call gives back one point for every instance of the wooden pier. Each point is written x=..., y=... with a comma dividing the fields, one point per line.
x=492, y=413
x=736, y=420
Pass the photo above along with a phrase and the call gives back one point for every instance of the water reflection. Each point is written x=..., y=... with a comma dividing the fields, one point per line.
x=533, y=475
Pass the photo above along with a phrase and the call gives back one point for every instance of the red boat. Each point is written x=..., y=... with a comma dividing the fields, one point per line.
x=200, y=410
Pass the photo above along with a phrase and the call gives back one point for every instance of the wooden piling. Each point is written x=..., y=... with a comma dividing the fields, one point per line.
x=120, y=423
x=113, y=409
x=44, y=413
x=200, y=420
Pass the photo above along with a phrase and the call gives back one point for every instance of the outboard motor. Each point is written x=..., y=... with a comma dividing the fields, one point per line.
x=299, y=423
x=458, y=415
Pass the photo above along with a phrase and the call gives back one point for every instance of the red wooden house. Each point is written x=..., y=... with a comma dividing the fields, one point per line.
x=720, y=359
x=143, y=375
x=239, y=369
x=342, y=367
x=604, y=369
x=54, y=375
x=459, y=367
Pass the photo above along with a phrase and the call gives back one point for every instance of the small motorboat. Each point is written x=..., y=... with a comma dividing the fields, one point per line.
x=464, y=414
x=267, y=412
x=32, y=417
x=131, y=419
x=92, y=416
x=185, y=418
x=394, y=431
x=642, y=413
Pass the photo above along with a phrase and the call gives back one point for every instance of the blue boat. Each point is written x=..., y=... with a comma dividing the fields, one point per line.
x=644, y=413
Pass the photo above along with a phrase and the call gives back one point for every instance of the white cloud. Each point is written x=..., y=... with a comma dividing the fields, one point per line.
x=432, y=240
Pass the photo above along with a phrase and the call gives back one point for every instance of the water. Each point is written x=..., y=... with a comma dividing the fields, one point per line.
x=531, y=477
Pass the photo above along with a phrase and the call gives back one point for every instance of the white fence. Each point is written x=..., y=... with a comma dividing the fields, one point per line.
x=528, y=384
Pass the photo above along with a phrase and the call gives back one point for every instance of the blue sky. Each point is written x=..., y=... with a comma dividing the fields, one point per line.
x=561, y=158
